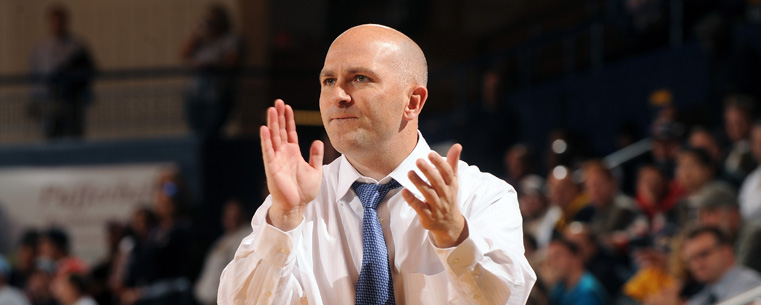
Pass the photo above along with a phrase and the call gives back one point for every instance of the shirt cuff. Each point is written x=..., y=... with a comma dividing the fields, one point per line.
x=276, y=246
x=461, y=258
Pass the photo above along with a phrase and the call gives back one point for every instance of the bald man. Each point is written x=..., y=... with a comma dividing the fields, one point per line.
x=442, y=232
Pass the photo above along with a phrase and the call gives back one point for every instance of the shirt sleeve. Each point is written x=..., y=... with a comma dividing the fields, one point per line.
x=264, y=269
x=489, y=267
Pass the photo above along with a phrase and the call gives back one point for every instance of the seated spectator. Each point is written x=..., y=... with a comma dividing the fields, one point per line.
x=723, y=212
x=739, y=113
x=656, y=198
x=711, y=261
x=234, y=221
x=26, y=254
x=611, y=271
x=565, y=193
x=72, y=290
x=700, y=137
x=518, y=163
x=538, y=217
x=9, y=295
x=38, y=288
x=614, y=212
x=695, y=173
x=564, y=271
x=55, y=255
x=750, y=191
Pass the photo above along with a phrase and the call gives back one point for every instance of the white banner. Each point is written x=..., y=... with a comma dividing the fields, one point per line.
x=80, y=200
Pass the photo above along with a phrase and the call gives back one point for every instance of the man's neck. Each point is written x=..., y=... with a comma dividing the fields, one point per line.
x=379, y=163
x=573, y=278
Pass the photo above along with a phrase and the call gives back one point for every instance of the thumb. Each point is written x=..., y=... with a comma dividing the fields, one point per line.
x=316, y=152
x=453, y=156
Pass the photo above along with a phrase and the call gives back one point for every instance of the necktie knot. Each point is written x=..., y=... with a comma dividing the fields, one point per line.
x=371, y=194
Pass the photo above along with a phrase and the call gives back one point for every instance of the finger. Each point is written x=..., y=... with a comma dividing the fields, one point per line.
x=316, y=152
x=428, y=193
x=290, y=125
x=274, y=127
x=267, y=152
x=420, y=207
x=453, y=156
x=280, y=106
x=445, y=170
x=434, y=177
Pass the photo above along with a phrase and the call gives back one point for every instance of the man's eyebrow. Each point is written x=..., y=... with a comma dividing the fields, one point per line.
x=325, y=73
x=360, y=70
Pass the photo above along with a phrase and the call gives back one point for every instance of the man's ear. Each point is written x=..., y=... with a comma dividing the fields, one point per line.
x=416, y=102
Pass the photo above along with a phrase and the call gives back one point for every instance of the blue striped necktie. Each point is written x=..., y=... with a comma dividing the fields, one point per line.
x=374, y=285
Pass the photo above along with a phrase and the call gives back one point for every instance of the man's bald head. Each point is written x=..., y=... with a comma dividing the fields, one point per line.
x=410, y=60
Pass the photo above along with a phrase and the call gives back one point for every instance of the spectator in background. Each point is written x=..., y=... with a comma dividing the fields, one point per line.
x=169, y=248
x=72, y=290
x=739, y=113
x=614, y=212
x=55, y=254
x=26, y=254
x=570, y=282
x=63, y=70
x=518, y=162
x=695, y=173
x=234, y=221
x=38, y=288
x=135, y=265
x=538, y=217
x=565, y=193
x=656, y=197
x=666, y=137
x=722, y=211
x=711, y=261
x=750, y=191
x=214, y=52
x=9, y=295
x=610, y=271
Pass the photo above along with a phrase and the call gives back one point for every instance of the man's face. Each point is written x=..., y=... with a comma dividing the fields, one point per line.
x=691, y=173
x=559, y=259
x=651, y=185
x=363, y=95
x=736, y=124
x=706, y=259
x=599, y=188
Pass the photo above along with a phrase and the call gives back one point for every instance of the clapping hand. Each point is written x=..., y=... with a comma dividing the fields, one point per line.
x=439, y=213
x=291, y=181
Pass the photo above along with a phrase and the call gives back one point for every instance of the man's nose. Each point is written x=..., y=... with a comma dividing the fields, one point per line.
x=340, y=96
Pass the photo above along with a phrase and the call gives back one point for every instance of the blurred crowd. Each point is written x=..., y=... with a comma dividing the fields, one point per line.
x=154, y=257
x=688, y=231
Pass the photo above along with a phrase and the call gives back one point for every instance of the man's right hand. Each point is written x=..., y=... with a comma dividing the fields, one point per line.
x=291, y=181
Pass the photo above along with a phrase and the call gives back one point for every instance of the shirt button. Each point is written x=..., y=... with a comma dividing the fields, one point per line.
x=455, y=261
x=268, y=294
x=283, y=250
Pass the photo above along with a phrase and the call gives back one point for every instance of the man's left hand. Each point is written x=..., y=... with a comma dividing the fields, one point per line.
x=439, y=213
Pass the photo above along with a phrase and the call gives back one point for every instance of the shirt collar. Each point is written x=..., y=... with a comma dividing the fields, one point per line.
x=722, y=284
x=347, y=174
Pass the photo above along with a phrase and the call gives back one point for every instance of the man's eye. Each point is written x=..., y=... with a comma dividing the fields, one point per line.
x=361, y=78
x=329, y=81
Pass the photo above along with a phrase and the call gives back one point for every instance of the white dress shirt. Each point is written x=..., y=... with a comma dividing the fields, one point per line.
x=319, y=261
x=750, y=196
